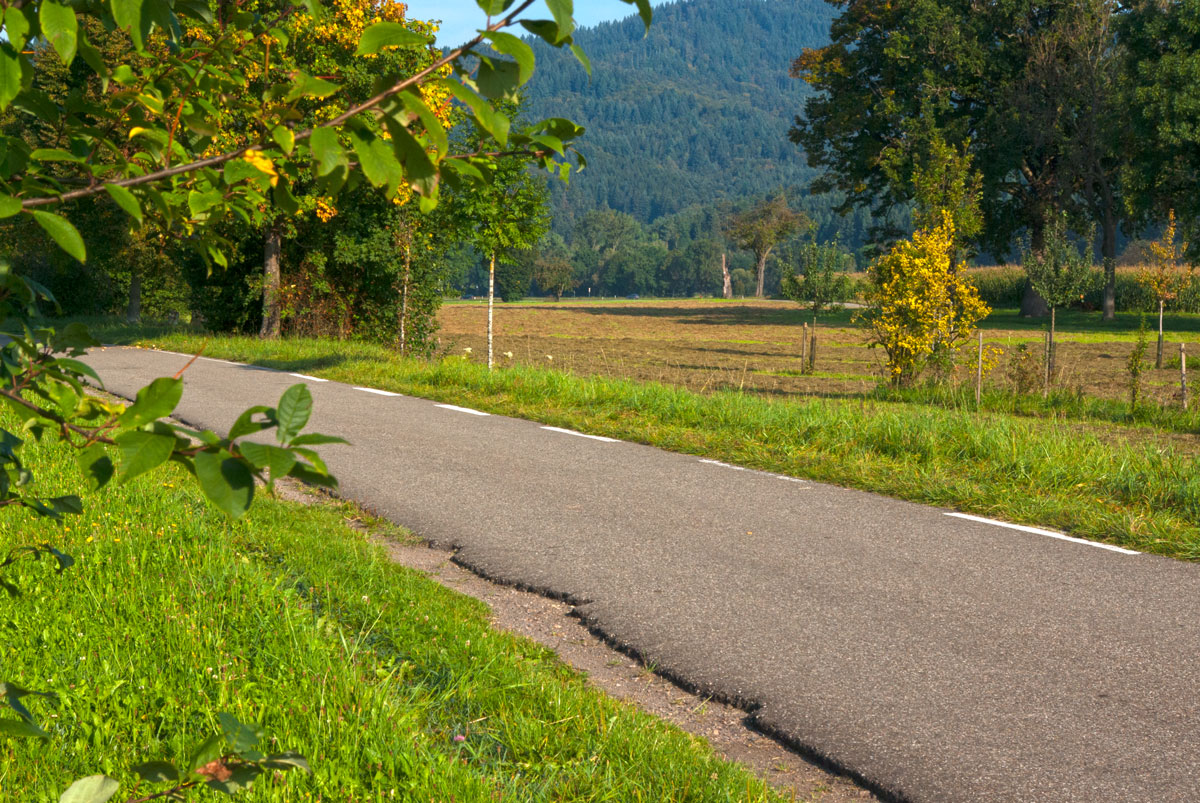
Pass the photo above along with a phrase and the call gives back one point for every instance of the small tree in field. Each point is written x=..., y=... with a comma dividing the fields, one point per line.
x=821, y=282
x=760, y=229
x=1059, y=272
x=920, y=304
x=1167, y=276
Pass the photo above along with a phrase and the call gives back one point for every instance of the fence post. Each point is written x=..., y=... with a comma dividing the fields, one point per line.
x=1183, y=375
x=804, y=347
x=979, y=371
x=812, y=351
x=1046, y=379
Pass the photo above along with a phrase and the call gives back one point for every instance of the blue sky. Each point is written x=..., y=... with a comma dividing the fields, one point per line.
x=461, y=18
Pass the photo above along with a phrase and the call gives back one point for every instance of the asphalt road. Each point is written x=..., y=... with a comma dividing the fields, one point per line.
x=936, y=657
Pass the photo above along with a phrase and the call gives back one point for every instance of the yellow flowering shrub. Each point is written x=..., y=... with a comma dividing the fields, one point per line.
x=1168, y=274
x=920, y=304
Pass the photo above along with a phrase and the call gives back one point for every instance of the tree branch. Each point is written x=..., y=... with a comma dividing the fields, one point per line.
x=215, y=161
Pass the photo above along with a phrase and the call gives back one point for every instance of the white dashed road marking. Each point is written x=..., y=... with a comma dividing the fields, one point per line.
x=1047, y=533
x=378, y=392
x=722, y=465
x=309, y=378
x=580, y=434
x=458, y=409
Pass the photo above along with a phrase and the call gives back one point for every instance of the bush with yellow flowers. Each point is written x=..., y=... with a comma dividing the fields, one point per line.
x=920, y=305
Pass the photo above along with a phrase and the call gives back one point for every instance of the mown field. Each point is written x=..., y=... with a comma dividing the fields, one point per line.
x=707, y=344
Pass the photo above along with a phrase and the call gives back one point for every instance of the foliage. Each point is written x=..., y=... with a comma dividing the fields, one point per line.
x=1024, y=369
x=1136, y=366
x=921, y=304
x=1167, y=276
x=1060, y=272
x=684, y=116
x=762, y=227
x=1021, y=87
x=822, y=280
x=552, y=268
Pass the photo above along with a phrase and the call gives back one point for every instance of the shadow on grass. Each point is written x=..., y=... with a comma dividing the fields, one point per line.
x=1071, y=320
x=718, y=314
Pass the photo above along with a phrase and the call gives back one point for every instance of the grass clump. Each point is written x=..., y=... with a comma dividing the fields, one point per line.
x=390, y=685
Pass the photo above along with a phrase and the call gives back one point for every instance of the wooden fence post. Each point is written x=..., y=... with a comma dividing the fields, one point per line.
x=1183, y=374
x=979, y=371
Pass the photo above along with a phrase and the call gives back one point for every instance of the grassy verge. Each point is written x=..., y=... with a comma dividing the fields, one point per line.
x=392, y=686
x=1044, y=472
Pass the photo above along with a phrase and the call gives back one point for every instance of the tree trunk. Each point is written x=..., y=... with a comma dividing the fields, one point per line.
x=404, y=297
x=727, y=291
x=1032, y=304
x=1158, y=354
x=270, y=318
x=762, y=273
x=133, y=311
x=1108, y=253
x=491, y=298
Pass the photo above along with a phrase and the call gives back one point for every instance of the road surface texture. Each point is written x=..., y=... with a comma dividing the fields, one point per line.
x=937, y=658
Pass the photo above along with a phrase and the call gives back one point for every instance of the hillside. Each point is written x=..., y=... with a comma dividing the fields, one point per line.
x=695, y=112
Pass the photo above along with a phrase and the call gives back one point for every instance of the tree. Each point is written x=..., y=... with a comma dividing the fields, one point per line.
x=761, y=228
x=1017, y=84
x=1160, y=64
x=552, y=268
x=1059, y=272
x=821, y=281
x=150, y=147
x=1166, y=276
x=921, y=306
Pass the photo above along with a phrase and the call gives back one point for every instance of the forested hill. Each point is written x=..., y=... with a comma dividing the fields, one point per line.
x=695, y=112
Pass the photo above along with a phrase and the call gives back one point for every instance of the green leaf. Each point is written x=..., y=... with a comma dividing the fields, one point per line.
x=10, y=74
x=284, y=138
x=54, y=155
x=281, y=194
x=241, y=737
x=16, y=26
x=228, y=484
x=246, y=425
x=377, y=161
x=316, y=439
x=433, y=126
x=19, y=727
x=240, y=779
x=126, y=200
x=65, y=235
x=304, y=85
x=128, y=14
x=564, y=13
x=290, y=760
x=388, y=34
x=326, y=150
x=209, y=750
x=239, y=170
x=196, y=9
x=60, y=27
x=547, y=30
x=9, y=206
x=155, y=401
x=278, y=461
x=486, y=117
x=494, y=8
x=157, y=771
x=92, y=789
x=521, y=52
x=96, y=465
x=644, y=9
x=582, y=58
x=295, y=407
x=141, y=452
x=498, y=79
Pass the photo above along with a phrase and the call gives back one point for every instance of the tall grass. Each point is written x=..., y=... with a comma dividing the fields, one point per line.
x=1043, y=472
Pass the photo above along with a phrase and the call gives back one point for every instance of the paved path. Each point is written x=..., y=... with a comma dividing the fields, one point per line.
x=939, y=658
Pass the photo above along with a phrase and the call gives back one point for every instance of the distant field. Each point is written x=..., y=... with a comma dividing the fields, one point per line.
x=709, y=344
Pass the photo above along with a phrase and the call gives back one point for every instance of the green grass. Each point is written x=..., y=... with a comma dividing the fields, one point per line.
x=393, y=687
x=1046, y=472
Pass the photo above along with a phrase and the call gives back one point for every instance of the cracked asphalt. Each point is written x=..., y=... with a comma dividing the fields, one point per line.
x=936, y=658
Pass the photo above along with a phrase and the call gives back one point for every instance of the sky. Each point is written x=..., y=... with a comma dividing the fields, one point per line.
x=461, y=18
